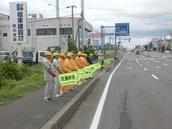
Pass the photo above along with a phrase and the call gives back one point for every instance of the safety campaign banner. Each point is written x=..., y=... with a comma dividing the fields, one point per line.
x=73, y=77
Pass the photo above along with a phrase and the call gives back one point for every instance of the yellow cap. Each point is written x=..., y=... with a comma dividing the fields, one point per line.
x=91, y=54
x=62, y=54
x=55, y=54
x=79, y=53
x=83, y=54
x=69, y=54
x=48, y=53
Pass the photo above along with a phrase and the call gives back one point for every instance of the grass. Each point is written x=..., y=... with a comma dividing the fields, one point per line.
x=14, y=89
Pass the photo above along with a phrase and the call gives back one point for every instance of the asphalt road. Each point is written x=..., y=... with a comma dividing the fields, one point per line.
x=136, y=94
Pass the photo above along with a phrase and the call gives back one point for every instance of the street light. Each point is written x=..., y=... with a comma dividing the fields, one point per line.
x=148, y=25
x=72, y=7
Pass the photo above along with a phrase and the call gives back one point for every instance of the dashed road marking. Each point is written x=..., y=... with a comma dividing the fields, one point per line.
x=165, y=64
x=155, y=77
x=145, y=69
x=137, y=61
x=141, y=65
x=157, y=67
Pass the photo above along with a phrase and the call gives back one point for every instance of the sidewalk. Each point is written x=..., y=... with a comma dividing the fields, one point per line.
x=31, y=112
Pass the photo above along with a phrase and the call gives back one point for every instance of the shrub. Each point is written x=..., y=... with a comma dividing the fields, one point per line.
x=14, y=71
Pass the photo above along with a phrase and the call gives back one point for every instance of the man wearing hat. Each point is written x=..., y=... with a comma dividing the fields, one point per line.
x=71, y=61
x=83, y=59
x=78, y=60
x=61, y=61
x=49, y=75
x=56, y=66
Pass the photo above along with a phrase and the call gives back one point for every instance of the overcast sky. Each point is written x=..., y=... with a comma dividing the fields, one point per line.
x=109, y=12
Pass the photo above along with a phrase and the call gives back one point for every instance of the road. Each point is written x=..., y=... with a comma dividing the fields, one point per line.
x=136, y=94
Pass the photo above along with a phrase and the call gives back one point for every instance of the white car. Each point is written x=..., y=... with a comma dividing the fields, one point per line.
x=4, y=56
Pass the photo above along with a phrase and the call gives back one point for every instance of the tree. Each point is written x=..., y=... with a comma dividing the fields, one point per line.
x=71, y=44
x=146, y=47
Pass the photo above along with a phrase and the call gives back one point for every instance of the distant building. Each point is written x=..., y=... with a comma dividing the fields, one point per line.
x=42, y=32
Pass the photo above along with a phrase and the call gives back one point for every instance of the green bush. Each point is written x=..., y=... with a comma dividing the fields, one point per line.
x=14, y=71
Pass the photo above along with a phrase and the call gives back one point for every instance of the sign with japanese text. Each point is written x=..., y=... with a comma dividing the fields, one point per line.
x=67, y=79
x=122, y=29
x=18, y=22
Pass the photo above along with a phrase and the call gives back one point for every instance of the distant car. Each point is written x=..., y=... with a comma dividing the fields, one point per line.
x=4, y=56
x=137, y=52
x=26, y=59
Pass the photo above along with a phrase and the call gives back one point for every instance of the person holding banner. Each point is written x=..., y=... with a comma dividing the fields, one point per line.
x=78, y=60
x=70, y=65
x=61, y=61
x=68, y=62
x=101, y=59
x=90, y=58
x=83, y=59
x=56, y=66
x=49, y=75
x=63, y=69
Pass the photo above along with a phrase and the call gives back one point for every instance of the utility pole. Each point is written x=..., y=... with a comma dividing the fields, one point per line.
x=57, y=22
x=72, y=7
x=82, y=23
x=102, y=36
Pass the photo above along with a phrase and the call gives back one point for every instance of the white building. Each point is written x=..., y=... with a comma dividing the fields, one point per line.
x=42, y=33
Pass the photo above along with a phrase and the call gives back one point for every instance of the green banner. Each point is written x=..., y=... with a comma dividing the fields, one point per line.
x=77, y=76
x=67, y=79
x=74, y=77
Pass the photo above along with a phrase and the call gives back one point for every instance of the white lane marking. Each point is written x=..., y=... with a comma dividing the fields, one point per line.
x=165, y=64
x=137, y=61
x=145, y=69
x=141, y=65
x=155, y=61
x=155, y=77
x=157, y=67
x=148, y=61
x=97, y=115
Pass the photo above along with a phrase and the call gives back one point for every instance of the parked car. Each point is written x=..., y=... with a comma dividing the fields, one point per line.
x=26, y=59
x=4, y=56
x=137, y=52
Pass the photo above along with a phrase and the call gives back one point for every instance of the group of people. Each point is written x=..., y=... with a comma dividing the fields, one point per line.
x=61, y=64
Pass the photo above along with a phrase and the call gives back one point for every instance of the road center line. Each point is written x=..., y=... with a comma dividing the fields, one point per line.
x=137, y=61
x=157, y=67
x=145, y=69
x=141, y=65
x=155, y=77
x=97, y=115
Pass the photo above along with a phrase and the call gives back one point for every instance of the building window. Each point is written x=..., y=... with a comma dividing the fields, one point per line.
x=28, y=32
x=65, y=31
x=46, y=31
x=5, y=34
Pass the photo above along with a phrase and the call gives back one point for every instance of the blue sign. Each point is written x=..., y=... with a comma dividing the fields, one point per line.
x=122, y=29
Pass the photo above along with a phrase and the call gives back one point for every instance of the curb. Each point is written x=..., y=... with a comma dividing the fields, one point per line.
x=61, y=117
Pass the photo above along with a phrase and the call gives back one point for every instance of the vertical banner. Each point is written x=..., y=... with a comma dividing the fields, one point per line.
x=18, y=22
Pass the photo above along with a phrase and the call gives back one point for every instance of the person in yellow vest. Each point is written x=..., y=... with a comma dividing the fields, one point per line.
x=49, y=75
x=75, y=67
x=61, y=61
x=70, y=64
x=63, y=69
x=78, y=60
x=83, y=59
